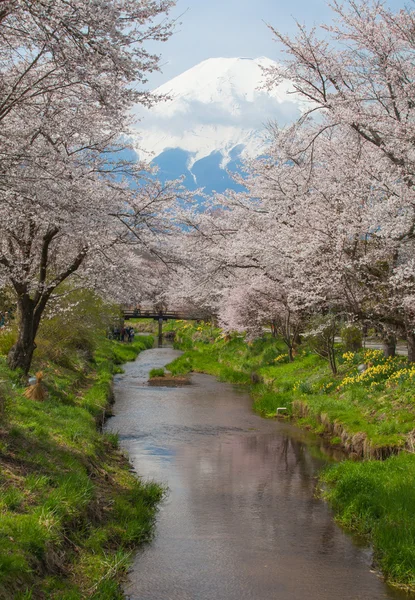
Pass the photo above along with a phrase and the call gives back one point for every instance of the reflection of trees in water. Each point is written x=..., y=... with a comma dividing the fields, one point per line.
x=260, y=485
x=327, y=538
x=286, y=453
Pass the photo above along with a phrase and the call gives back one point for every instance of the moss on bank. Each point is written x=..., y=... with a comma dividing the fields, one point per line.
x=371, y=415
x=71, y=512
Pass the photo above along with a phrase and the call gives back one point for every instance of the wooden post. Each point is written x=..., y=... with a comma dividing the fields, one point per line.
x=160, y=340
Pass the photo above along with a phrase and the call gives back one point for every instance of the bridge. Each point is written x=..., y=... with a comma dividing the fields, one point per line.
x=163, y=315
x=160, y=316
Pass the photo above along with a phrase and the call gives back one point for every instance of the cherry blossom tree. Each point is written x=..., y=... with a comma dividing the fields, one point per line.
x=326, y=222
x=95, y=52
x=76, y=227
x=358, y=74
x=316, y=230
x=71, y=205
x=261, y=303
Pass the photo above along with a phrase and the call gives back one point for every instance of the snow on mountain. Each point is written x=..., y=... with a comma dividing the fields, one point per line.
x=216, y=106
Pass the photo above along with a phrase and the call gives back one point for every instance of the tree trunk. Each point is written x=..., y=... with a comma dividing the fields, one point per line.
x=410, y=338
x=332, y=356
x=20, y=356
x=297, y=339
x=389, y=344
x=290, y=354
x=31, y=309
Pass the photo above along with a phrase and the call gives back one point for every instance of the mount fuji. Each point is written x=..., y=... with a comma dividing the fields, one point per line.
x=216, y=114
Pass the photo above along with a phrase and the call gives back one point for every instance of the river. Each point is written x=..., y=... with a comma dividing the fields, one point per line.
x=241, y=520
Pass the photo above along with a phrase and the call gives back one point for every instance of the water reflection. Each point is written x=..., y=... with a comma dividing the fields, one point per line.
x=241, y=520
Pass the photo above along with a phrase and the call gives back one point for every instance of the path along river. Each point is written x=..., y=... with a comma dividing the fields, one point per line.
x=241, y=520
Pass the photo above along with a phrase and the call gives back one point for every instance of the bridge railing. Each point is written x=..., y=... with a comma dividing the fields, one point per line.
x=151, y=314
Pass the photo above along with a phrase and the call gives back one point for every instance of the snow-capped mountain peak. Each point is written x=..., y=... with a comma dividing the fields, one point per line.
x=216, y=106
x=217, y=80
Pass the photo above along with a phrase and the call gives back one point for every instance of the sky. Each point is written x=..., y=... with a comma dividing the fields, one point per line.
x=233, y=28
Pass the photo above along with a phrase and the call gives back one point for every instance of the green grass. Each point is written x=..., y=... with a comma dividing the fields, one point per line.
x=203, y=363
x=377, y=499
x=156, y=373
x=71, y=512
x=384, y=416
x=182, y=365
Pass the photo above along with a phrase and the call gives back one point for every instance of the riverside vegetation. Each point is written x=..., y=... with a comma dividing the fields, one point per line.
x=71, y=512
x=370, y=414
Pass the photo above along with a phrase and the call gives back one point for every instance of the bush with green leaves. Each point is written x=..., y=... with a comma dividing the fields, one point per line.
x=156, y=373
x=320, y=335
x=7, y=339
x=352, y=337
x=270, y=354
x=70, y=337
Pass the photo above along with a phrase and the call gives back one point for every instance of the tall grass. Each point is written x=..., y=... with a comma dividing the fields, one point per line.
x=377, y=499
x=156, y=373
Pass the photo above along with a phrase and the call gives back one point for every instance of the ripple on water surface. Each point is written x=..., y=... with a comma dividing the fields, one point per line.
x=241, y=520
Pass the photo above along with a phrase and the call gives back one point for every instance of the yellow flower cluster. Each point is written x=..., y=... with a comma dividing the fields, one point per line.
x=402, y=375
x=380, y=370
x=220, y=337
x=346, y=381
x=327, y=387
x=281, y=358
x=373, y=356
x=348, y=357
x=371, y=374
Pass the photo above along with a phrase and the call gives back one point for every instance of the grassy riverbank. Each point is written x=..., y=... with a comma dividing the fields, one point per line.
x=370, y=415
x=71, y=512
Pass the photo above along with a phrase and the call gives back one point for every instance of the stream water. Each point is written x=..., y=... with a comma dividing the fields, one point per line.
x=241, y=520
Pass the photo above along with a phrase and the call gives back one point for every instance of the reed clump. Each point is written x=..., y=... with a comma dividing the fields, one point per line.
x=36, y=391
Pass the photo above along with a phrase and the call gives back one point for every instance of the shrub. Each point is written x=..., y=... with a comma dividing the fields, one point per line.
x=258, y=345
x=156, y=373
x=352, y=337
x=303, y=387
x=181, y=366
x=70, y=338
x=320, y=334
x=270, y=355
x=7, y=340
